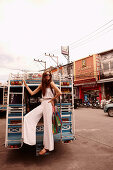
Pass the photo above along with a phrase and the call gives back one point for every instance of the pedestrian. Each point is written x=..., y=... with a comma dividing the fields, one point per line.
x=45, y=108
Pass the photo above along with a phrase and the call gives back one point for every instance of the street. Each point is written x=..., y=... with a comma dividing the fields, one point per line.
x=95, y=125
x=92, y=149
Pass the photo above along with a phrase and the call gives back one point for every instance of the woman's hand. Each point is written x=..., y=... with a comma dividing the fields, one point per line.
x=24, y=82
x=52, y=102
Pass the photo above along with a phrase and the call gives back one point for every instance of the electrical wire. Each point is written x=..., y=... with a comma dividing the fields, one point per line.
x=81, y=40
x=18, y=69
x=91, y=38
x=91, y=33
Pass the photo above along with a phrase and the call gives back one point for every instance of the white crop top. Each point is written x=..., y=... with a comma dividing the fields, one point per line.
x=48, y=93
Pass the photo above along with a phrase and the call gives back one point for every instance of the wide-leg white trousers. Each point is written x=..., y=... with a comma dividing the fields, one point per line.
x=31, y=120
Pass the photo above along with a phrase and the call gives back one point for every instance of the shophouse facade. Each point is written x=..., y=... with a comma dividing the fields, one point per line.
x=86, y=75
x=106, y=74
x=93, y=76
x=63, y=70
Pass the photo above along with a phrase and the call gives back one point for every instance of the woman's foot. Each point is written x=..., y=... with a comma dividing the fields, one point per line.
x=43, y=151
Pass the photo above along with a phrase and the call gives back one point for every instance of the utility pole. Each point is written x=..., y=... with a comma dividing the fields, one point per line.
x=65, y=52
x=67, y=58
x=52, y=56
x=40, y=61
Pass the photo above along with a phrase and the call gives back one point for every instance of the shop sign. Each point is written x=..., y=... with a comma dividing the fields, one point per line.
x=84, y=69
x=83, y=63
x=65, y=50
x=90, y=85
x=85, y=81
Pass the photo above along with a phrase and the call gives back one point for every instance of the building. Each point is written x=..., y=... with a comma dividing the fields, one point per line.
x=93, y=76
x=106, y=73
x=63, y=70
x=86, y=75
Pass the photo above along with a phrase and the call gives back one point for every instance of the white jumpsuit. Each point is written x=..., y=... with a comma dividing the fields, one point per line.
x=32, y=118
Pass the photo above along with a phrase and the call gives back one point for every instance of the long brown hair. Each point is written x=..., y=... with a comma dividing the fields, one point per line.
x=45, y=82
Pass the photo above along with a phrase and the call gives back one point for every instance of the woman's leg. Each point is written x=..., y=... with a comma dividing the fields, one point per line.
x=48, y=140
x=30, y=121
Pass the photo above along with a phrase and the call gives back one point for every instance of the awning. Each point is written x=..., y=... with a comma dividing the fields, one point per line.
x=84, y=84
x=105, y=80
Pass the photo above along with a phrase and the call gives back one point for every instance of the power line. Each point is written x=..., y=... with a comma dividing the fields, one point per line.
x=40, y=55
x=23, y=70
x=82, y=39
x=40, y=61
x=19, y=69
x=93, y=36
x=91, y=32
x=85, y=38
x=52, y=57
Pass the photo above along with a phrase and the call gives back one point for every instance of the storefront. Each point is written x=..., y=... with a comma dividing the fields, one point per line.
x=90, y=92
x=106, y=76
x=108, y=90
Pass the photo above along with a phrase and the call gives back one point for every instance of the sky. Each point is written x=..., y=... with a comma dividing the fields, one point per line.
x=31, y=28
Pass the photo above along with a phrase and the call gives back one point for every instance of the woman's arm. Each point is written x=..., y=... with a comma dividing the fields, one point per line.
x=30, y=91
x=57, y=90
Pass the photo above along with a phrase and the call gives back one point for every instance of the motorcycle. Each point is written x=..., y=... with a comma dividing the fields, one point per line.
x=96, y=104
x=86, y=104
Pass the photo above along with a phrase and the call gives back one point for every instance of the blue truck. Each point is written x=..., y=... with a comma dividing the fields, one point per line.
x=3, y=99
x=20, y=102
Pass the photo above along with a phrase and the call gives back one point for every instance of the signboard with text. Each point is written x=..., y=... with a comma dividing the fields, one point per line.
x=65, y=50
x=84, y=70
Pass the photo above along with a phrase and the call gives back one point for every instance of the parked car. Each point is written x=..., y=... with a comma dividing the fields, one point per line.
x=109, y=109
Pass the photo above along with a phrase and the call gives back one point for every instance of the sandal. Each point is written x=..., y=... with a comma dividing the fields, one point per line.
x=43, y=151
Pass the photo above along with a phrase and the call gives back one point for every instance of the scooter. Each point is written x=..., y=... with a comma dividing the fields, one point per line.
x=96, y=104
x=86, y=104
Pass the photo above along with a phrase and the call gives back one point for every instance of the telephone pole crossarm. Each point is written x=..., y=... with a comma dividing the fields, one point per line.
x=40, y=61
x=52, y=58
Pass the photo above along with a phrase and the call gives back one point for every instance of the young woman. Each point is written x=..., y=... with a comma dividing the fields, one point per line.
x=32, y=118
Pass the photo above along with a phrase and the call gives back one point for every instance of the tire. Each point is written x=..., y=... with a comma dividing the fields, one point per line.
x=110, y=112
x=97, y=106
x=93, y=106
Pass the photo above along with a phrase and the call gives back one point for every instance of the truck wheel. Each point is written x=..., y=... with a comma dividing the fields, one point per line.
x=110, y=112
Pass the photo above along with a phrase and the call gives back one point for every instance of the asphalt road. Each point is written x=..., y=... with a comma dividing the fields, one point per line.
x=95, y=125
x=92, y=149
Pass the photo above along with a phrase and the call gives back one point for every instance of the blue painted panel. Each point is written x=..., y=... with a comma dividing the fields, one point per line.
x=14, y=136
x=66, y=113
x=2, y=108
x=66, y=127
x=14, y=129
x=16, y=105
x=16, y=114
x=65, y=136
